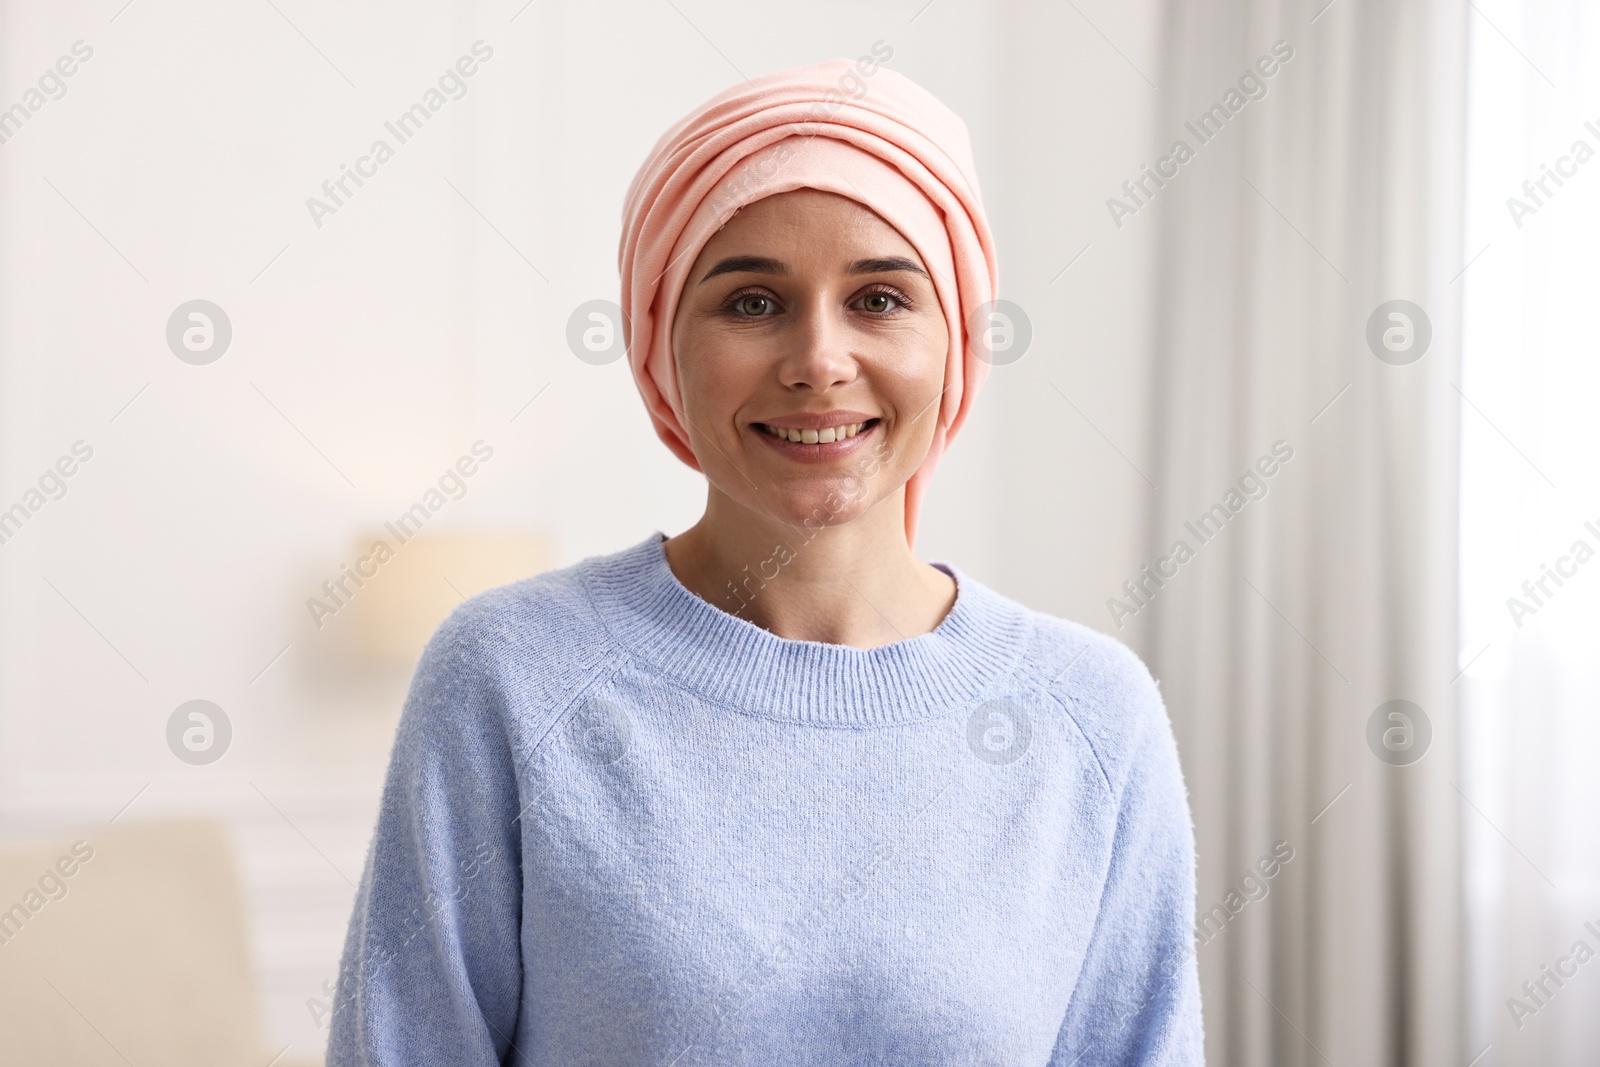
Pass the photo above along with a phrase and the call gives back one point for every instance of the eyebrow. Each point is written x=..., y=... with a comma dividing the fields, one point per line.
x=768, y=265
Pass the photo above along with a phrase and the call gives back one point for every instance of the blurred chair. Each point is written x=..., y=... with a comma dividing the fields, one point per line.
x=138, y=955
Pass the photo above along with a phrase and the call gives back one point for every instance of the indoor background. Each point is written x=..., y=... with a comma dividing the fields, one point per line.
x=228, y=367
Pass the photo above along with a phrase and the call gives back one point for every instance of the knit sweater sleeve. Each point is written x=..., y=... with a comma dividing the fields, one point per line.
x=1137, y=998
x=432, y=966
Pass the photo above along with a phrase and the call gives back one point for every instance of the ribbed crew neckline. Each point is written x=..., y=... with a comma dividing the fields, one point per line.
x=732, y=661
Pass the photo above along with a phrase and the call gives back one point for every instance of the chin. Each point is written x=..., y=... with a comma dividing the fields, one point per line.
x=828, y=502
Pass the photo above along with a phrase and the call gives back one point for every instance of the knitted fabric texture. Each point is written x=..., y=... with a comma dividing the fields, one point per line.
x=622, y=826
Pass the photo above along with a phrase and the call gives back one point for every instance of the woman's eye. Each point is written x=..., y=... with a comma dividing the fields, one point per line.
x=753, y=304
x=879, y=301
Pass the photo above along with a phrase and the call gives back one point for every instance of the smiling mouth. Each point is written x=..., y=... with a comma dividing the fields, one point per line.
x=817, y=437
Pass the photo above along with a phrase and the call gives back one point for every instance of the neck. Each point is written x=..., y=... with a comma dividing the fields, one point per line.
x=855, y=583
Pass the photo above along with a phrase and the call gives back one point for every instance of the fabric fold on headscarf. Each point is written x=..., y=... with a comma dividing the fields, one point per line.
x=843, y=126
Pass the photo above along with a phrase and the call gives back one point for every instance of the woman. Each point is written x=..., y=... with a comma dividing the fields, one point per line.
x=773, y=790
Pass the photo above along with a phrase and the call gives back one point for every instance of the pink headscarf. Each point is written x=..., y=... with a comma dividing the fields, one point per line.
x=847, y=127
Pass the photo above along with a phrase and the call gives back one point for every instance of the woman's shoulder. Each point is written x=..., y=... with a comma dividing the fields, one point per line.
x=1083, y=654
x=538, y=621
x=507, y=661
x=546, y=610
x=1104, y=685
x=1064, y=655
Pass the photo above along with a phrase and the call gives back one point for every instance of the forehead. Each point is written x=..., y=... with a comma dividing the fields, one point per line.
x=808, y=221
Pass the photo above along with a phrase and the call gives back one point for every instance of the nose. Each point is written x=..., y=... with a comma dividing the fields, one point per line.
x=819, y=356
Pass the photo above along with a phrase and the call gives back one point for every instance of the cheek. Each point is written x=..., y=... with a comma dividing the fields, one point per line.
x=931, y=345
x=694, y=356
x=918, y=387
x=716, y=377
x=918, y=374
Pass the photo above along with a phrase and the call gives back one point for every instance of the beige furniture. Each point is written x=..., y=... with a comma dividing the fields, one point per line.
x=137, y=956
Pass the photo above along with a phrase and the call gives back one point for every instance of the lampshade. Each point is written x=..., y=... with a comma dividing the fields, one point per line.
x=419, y=581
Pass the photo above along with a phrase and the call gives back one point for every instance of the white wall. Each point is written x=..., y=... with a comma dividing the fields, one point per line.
x=375, y=349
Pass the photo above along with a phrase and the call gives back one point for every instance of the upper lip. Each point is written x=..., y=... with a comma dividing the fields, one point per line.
x=820, y=421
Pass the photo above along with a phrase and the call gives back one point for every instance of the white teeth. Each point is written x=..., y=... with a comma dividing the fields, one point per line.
x=813, y=437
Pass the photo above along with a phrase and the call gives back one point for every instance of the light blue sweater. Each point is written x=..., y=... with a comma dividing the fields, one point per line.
x=622, y=826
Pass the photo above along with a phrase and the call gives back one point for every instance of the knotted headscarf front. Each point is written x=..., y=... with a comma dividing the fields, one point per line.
x=851, y=127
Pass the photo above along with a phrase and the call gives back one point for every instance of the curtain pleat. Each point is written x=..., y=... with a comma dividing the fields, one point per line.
x=1326, y=589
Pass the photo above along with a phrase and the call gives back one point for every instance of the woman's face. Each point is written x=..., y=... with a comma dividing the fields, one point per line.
x=808, y=313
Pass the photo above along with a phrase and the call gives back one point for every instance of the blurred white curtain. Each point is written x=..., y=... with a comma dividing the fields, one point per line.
x=1531, y=492
x=1321, y=190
